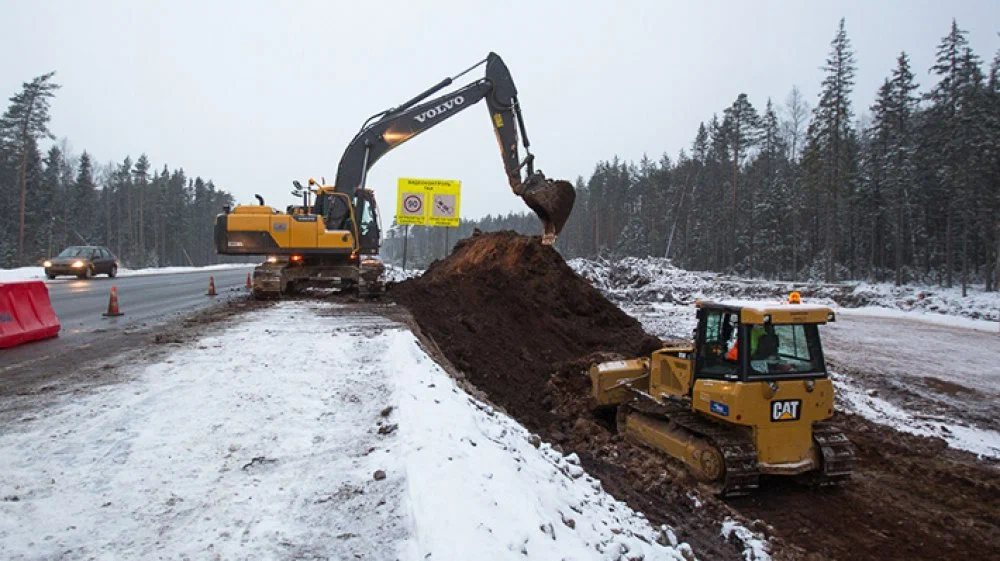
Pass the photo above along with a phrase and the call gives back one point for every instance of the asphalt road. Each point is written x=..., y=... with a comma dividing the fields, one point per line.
x=146, y=301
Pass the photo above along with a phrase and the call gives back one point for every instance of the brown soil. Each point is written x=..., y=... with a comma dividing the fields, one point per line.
x=950, y=388
x=505, y=308
x=910, y=498
x=523, y=328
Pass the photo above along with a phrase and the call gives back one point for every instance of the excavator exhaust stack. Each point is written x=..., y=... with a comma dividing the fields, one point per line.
x=551, y=200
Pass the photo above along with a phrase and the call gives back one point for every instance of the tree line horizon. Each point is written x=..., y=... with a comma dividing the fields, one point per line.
x=905, y=191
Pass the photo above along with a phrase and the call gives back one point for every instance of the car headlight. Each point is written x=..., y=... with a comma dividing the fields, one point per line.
x=47, y=264
x=77, y=264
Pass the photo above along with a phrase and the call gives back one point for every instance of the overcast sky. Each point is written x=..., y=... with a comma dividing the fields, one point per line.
x=255, y=94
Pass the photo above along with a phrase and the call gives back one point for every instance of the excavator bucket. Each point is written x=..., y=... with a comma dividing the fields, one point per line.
x=551, y=200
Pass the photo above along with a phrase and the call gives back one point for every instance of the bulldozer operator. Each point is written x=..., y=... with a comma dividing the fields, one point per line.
x=756, y=334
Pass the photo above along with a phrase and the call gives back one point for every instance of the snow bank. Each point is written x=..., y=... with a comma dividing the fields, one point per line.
x=38, y=273
x=363, y=449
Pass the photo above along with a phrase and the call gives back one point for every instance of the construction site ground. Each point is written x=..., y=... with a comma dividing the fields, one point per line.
x=256, y=430
x=520, y=324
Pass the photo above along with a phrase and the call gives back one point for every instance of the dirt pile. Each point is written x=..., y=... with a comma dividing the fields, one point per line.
x=523, y=327
x=505, y=309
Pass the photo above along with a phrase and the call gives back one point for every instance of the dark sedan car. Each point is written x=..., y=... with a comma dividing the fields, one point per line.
x=83, y=261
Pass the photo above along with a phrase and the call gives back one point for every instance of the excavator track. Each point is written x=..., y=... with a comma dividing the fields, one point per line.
x=274, y=280
x=266, y=282
x=736, y=445
x=836, y=454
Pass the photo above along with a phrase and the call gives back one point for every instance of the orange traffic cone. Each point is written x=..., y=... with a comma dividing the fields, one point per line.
x=211, y=286
x=113, y=310
x=249, y=284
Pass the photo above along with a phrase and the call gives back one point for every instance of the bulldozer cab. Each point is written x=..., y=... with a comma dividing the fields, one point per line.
x=754, y=341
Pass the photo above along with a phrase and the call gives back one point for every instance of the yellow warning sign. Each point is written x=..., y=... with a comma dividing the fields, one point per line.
x=428, y=202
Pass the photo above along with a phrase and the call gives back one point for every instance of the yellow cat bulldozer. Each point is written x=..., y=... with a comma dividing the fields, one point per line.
x=334, y=239
x=749, y=396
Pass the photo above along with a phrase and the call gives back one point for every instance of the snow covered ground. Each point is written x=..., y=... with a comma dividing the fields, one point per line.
x=653, y=280
x=304, y=431
x=38, y=273
x=855, y=398
x=399, y=274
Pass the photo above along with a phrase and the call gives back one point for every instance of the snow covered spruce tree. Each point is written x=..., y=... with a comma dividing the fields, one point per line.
x=901, y=144
x=829, y=151
x=24, y=123
x=769, y=209
x=950, y=141
x=741, y=124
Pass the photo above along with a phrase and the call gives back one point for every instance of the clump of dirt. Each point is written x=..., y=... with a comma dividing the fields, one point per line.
x=505, y=309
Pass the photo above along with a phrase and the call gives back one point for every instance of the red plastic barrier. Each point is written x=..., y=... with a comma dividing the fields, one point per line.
x=26, y=313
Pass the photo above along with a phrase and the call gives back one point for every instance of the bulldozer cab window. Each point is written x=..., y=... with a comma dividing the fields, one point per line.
x=718, y=334
x=787, y=351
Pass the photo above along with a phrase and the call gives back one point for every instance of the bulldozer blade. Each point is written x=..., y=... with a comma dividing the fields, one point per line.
x=552, y=201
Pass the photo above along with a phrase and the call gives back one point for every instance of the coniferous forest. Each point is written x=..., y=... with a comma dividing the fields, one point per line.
x=907, y=190
x=146, y=215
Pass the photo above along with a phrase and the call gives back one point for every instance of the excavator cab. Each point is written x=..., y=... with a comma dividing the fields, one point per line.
x=369, y=226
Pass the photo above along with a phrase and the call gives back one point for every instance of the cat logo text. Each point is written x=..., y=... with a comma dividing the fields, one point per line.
x=786, y=410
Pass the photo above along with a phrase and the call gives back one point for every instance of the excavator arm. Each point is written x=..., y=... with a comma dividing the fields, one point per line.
x=551, y=200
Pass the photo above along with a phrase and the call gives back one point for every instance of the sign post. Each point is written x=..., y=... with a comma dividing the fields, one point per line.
x=406, y=235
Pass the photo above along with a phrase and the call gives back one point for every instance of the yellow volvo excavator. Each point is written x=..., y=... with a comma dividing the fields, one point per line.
x=748, y=397
x=334, y=239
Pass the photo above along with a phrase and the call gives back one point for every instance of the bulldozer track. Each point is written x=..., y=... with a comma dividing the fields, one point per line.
x=736, y=446
x=836, y=453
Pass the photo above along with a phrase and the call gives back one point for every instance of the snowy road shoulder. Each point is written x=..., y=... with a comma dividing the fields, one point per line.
x=236, y=447
x=275, y=439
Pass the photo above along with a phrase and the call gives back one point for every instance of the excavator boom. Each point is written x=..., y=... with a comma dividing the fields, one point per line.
x=552, y=201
